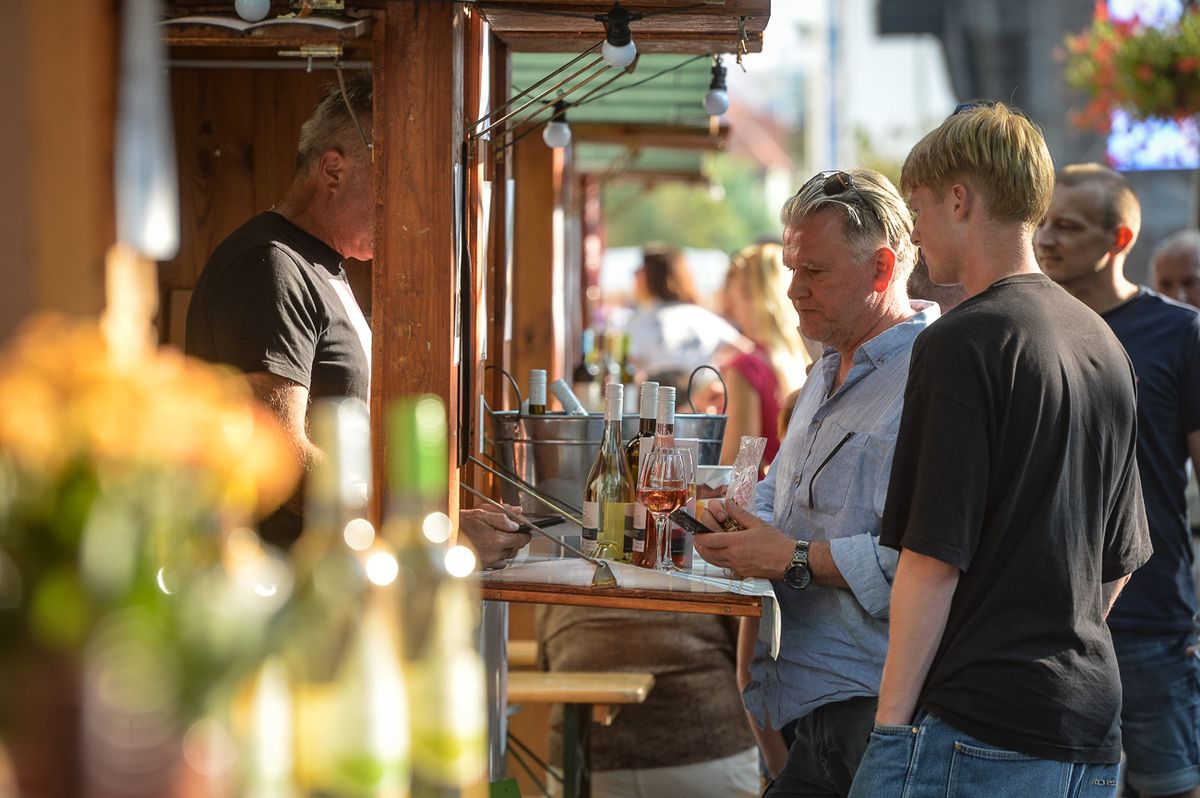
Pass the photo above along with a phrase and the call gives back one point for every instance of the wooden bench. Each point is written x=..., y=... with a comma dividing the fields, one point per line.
x=587, y=698
x=522, y=654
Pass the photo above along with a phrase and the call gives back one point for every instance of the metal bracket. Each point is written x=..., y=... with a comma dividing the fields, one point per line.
x=311, y=52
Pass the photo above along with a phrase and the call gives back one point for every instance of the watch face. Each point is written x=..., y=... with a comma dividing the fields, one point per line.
x=797, y=576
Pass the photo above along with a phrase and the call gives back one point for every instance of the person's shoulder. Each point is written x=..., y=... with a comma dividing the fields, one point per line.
x=1166, y=310
x=258, y=245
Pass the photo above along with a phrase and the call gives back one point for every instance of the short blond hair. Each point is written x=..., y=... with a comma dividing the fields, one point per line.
x=873, y=214
x=994, y=149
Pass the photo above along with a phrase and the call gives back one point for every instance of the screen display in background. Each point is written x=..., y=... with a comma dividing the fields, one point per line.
x=1152, y=144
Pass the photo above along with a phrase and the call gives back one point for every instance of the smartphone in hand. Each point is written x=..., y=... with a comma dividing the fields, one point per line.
x=689, y=522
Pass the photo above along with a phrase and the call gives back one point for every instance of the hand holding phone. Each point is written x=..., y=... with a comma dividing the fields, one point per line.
x=689, y=522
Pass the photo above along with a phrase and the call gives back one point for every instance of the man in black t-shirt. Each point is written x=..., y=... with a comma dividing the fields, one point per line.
x=1014, y=497
x=1081, y=244
x=274, y=302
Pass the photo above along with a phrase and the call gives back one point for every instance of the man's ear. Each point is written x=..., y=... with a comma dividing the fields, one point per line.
x=885, y=266
x=331, y=168
x=961, y=198
x=1122, y=240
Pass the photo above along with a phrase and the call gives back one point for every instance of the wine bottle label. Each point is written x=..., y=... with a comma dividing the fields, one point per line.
x=639, y=509
x=591, y=527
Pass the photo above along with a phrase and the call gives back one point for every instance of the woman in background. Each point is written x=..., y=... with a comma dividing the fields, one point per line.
x=670, y=329
x=759, y=375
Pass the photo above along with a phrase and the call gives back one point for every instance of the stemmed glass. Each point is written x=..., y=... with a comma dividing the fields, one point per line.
x=663, y=488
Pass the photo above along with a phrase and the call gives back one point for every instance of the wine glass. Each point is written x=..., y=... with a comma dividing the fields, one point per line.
x=663, y=489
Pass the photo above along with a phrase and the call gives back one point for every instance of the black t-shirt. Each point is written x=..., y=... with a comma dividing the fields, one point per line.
x=274, y=298
x=1015, y=462
x=1163, y=341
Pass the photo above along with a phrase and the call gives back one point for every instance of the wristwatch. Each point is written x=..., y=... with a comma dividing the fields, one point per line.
x=797, y=574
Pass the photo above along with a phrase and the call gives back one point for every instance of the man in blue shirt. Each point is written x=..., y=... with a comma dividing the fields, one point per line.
x=1082, y=243
x=816, y=519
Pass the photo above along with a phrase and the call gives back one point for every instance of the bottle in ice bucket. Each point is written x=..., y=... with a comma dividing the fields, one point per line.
x=341, y=633
x=609, y=491
x=445, y=673
x=537, y=392
x=642, y=442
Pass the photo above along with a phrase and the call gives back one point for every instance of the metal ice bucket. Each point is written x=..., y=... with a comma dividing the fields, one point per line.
x=554, y=452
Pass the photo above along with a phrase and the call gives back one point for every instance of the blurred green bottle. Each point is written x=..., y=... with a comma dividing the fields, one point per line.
x=341, y=632
x=443, y=668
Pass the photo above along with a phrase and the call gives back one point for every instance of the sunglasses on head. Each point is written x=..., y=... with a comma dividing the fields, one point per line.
x=971, y=105
x=834, y=182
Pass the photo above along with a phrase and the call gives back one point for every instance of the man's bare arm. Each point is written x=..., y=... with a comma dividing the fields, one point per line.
x=1111, y=591
x=921, y=596
x=288, y=402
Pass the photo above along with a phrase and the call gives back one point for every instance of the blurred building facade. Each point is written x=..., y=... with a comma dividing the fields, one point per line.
x=1008, y=50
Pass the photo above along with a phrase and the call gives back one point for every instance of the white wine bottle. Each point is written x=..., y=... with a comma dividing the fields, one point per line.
x=537, y=392
x=664, y=427
x=445, y=673
x=633, y=455
x=567, y=398
x=350, y=705
x=608, y=494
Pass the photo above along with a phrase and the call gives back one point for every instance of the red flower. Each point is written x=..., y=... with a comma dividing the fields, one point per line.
x=1189, y=63
x=1144, y=72
x=1100, y=11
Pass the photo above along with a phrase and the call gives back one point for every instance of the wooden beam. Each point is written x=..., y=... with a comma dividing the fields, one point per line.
x=636, y=137
x=500, y=252
x=711, y=28
x=692, y=44
x=417, y=131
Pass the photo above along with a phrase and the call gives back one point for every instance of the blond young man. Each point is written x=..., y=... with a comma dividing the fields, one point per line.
x=1081, y=244
x=1014, y=498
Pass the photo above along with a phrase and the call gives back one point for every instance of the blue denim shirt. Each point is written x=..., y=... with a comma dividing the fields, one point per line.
x=829, y=482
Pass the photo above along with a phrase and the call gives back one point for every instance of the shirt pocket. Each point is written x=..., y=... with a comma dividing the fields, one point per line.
x=833, y=467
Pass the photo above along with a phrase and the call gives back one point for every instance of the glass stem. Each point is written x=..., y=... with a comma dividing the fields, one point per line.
x=664, y=540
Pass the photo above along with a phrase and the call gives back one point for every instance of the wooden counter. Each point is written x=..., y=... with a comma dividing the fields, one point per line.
x=623, y=598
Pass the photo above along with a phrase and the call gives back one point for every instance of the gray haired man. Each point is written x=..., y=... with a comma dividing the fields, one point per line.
x=815, y=527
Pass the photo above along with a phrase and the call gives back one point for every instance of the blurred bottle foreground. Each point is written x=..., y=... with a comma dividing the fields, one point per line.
x=377, y=685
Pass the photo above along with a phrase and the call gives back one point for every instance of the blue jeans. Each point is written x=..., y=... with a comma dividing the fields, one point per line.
x=931, y=758
x=1160, y=718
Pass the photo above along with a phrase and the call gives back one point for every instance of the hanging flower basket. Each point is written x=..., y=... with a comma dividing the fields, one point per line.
x=1148, y=71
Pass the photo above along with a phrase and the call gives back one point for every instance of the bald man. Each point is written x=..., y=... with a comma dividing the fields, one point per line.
x=1082, y=244
x=1175, y=267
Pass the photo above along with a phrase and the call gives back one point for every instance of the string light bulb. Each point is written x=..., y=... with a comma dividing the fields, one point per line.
x=618, y=50
x=557, y=133
x=716, y=102
x=252, y=10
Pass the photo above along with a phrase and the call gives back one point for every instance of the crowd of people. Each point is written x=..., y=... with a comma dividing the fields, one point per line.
x=974, y=516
